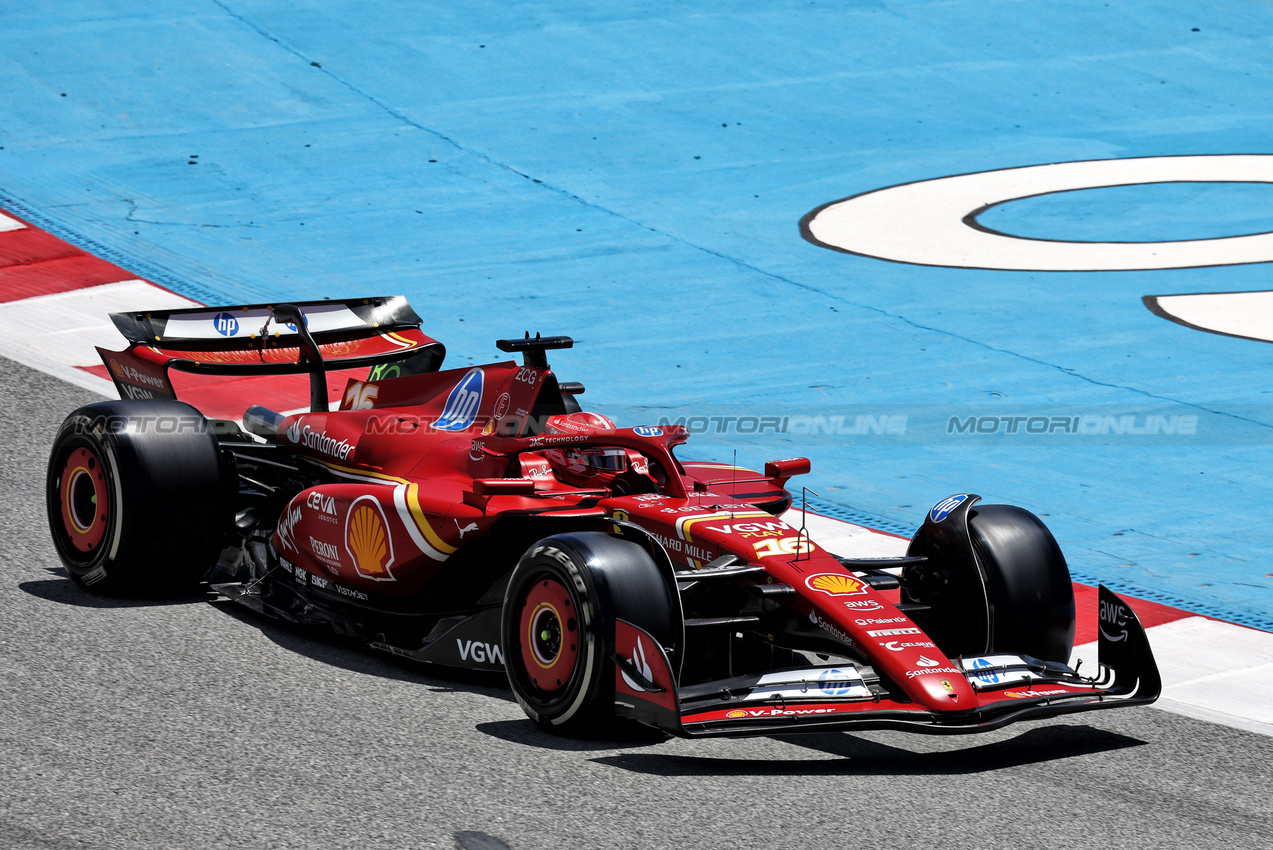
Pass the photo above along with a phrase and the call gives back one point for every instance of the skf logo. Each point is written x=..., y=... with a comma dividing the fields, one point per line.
x=367, y=539
x=225, y=324
x=834, y=584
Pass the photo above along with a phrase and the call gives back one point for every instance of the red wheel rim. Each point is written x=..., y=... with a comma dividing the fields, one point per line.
x=85, y=503
x=550, y=635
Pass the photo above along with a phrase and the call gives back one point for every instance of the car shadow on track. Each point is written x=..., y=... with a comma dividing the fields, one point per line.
x=859, y=756
x=525, y=732
x=67, y=592
x=322, y=644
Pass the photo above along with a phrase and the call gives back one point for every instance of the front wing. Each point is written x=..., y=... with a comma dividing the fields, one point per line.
x=1008, y=689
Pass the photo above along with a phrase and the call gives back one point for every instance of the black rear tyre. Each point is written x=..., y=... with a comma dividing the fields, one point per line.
x=558, y=622
x=138, y=496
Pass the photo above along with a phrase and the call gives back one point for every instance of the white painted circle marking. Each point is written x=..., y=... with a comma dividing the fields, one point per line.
x=929, y=223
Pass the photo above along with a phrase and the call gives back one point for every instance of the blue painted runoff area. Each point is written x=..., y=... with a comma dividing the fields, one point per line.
x=634, y=175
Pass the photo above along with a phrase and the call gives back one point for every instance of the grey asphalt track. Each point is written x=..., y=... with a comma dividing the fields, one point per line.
x=187, y=724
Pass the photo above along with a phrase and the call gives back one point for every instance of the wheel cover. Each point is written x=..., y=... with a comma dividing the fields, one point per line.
x=84, y=498
x=549, y=627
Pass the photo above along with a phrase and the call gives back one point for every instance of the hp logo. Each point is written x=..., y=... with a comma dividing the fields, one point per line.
x=225, y=324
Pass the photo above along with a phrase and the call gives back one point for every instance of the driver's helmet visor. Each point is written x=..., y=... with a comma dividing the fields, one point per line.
x=601, y=460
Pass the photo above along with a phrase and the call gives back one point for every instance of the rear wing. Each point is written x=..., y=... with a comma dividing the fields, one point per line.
x=267, y=339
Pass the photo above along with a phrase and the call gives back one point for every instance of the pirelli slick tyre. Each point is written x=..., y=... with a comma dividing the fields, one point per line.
x=138, y=496
x=558, y=628
x=1027, y=583
x=1003, y=588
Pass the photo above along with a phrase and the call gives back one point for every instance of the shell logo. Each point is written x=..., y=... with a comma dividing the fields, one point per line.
x=367, y=539
x=735, y=713
x=834, y=584
x=117, y=369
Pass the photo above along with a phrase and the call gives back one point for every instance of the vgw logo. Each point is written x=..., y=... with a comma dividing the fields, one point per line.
x=462, y=404
x=225, y=324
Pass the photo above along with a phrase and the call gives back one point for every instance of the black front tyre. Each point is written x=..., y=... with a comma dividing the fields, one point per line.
x=558, y=625
x=1003, y=586
x=138, y=496
x=1027, y=583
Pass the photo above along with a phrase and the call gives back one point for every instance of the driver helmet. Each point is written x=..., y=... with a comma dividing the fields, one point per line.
x=589, y=467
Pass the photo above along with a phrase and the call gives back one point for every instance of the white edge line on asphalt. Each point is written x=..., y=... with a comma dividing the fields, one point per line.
x=56, y=333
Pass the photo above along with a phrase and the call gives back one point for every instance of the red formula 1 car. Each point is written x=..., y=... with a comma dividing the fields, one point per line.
x=476, y=517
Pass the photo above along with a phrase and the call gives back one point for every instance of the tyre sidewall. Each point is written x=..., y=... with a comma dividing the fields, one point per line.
x=574, y=706
x=168, y=507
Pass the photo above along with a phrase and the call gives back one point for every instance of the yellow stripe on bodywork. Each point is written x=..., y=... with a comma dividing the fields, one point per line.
x=413, y=504
x=411, y=499
x=349, y=472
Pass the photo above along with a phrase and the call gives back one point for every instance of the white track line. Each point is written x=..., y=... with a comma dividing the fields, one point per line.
x=56, y=333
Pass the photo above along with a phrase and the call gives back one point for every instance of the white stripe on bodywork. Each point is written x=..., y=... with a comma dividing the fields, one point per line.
x=404, y=514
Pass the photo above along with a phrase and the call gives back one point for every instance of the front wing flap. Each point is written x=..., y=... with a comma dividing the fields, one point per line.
x=850, y=696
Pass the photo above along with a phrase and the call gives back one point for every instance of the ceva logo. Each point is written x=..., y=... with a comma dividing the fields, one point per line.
x=225, y=324
x=463, y=403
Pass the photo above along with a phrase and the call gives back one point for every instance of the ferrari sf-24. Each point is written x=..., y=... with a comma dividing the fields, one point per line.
x=479, y=518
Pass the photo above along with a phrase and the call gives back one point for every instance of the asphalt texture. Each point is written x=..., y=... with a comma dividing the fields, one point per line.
x=189, y=723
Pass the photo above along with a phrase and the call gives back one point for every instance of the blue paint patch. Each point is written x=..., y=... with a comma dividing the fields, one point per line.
x=942, y=509
x=463, y=403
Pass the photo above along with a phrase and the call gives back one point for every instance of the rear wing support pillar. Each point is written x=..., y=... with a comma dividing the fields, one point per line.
x=292, y=315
